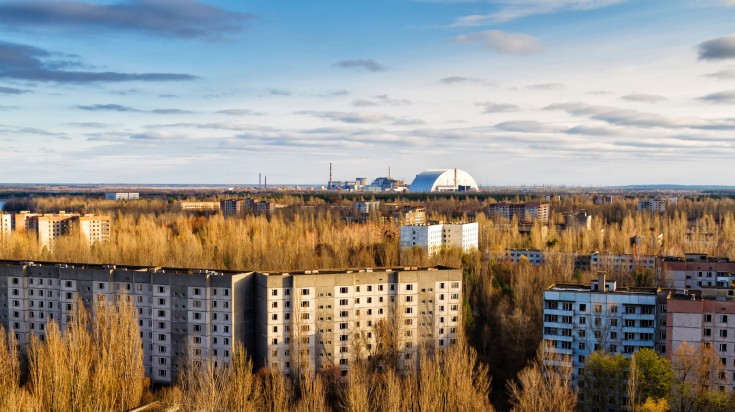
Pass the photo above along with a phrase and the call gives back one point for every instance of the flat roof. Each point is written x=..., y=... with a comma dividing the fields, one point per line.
x=578, y=287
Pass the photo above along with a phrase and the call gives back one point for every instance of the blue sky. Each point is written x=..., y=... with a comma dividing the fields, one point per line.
x=577, y=92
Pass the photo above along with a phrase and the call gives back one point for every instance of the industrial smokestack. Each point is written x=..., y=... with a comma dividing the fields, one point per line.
x=260, y=180
x=330, y=177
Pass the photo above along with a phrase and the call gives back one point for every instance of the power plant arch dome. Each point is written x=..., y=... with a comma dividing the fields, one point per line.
x=443, y=180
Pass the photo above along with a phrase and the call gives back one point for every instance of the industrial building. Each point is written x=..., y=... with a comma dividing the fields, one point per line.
x=280, y=318
x=443, y=180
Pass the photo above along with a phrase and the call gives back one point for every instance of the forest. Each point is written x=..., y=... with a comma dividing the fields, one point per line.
x=498, y=363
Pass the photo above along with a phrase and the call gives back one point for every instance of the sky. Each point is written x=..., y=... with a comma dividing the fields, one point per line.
x=515, y=92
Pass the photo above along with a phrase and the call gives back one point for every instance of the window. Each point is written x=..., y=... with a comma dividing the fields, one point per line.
x=343, y=290
x=304, y=292
x=723, y=318
x=723, y=347
x=723, y=333
x=274, y=292
x=343, y=302
x=708, y=318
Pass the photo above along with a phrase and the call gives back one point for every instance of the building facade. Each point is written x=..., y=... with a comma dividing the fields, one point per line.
x=232, y=207
x=433, y=237
x=122, y=196
x=696, y=271
x=533, y=256
x=175, y=307
x=325, y=319
x=199, y=206
x=6, y=224
x=524, y=212
x=581, y=319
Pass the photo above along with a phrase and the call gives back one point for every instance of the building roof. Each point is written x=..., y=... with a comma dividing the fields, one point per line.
x=437, y=180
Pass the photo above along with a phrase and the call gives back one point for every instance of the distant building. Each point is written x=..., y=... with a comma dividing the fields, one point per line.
x=95, y=228
x=265, y=207
x=579, y=220
x=49, y=227
x=199, y=206
x=232, y=207
x=656, y=205
x=433, y=236
x=581, y=319
x=364, y=208
x=525, y=212
x=6, y=224
x=620, y=264
x=122, y=196
x=602, y=199
x=387, y=184
x=697, y=271
x=443, y=180
x=534, y=256
x=410, y=215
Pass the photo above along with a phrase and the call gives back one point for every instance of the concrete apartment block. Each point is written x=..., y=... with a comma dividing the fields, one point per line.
x=580, y=319
x=320, y=318
x=274, y=315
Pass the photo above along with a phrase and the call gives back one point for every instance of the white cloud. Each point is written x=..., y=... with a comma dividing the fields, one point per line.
x=516, y=9
x=503, y=42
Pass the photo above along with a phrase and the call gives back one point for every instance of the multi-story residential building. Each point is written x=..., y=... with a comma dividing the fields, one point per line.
x=580, y=319
x=602, y=199
x=321, y=316
x=175, y=307
x=524, y=212
x=6, y=224
x=364, y=208
x=433, y=236
x=704, y=322
x=410, y=215
x=95, y=228
x=232, y=207
x=122, y=196
x=20, y=218
x=656, y=205
x=533, y=256
x=199, y=206
x=620, y=264
x=324, y=319
x=49, y=227
x=463, y=236
x=427, y=237
x=696, y=271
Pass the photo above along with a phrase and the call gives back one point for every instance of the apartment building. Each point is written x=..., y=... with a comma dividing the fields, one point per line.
x=324, y=319
x=364, y=208
x=602, y=199
x=704, y=322
x=433, y=236
x=533, y=256
x=6, y=224
x=95, y=228
x=657, y=205
x=427, y=237
x=696, y=271
x=524, y=212
x=199, y=206
x=580, y=319
x=122, y=196
x=409, y=215
x=232, y=207
x=49, y=227
x=463, y=236
x=174, y=306
x=317, y=315
x=620, y=264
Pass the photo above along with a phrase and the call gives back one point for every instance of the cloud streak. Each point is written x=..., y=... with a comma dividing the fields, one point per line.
x=24, y=62
x=718, y=49
x=515, y=9
x=503, y=42
x=362, y=64
x=180, y=18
